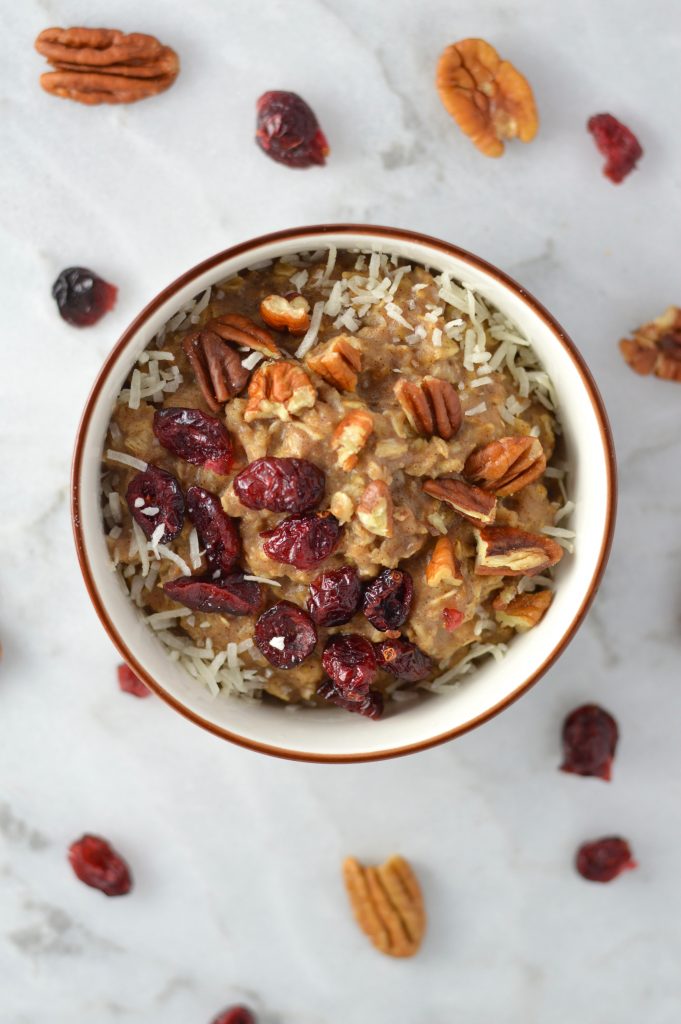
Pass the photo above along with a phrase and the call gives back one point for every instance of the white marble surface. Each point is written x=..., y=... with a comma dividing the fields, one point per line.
x=236, y=856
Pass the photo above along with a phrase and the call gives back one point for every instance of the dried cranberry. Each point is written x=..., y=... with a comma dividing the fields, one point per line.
x=371, y=706
x=288, y=131
x=217, y=532
x=97, y=864
x=285, y=634
x=224, y=595
x=156, y=489
x=451, y=619
x=129, y=683
x=618, y=145
x=350, y=661
x=235, y=1015
x=303, y=540
x=280, y=485
x=388, y=599
x=589, y=741
x=335, y=596
x=195, y=437
x=403, y=659
x=604, y=859
x=83, y=297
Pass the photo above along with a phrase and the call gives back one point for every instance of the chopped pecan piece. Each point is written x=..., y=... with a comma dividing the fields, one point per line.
x=524, y=611
x=101, y=65
x=217, y=367
x=338, y=361
x=242, y=331
x=350, y=436
x=507, y=551
x=375, y=509
x=280, y=390
x=388, y=905
x=487, y=97
x=432, y=407
x=656, y=347
x=443, y=566
x=471, y=502
x=506, y=465
x=286, y=312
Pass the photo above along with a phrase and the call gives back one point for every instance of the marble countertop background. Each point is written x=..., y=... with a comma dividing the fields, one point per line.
x=236, y=857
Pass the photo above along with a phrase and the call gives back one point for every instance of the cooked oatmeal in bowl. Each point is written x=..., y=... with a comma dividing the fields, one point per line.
x=337, y=477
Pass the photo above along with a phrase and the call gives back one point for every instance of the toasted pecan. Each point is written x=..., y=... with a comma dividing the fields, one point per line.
x=469, y=501
x=443, y=566
x=243, y=331
x=506, y=465
x=350, y=436
x=387, y=903
x=216, y=366
x=338, y=361
x=524, y=610
x=508, y=551
x=656, y=346
x=375, y=509
x=280, y=389
x=286, y=312
x=431, y=406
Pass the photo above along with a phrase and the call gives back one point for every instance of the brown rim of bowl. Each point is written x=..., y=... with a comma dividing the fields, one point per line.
x=386, y=233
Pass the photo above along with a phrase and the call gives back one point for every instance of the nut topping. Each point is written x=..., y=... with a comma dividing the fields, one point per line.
x=443, y=566
x=280, y=390
x=656, y=347
x=388, y=904
x=524, y=611
x=338, y=361
x=217, y=367
x=487, y=97
x=350, y=436
x=100, y=65
x=507, y=551
x=507, y=465
x=432, y=407
x=375, y=509
x=471, y=502
x=286, y=313
x=242, y=331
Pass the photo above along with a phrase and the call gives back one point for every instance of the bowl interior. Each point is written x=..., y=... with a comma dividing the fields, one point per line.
x=329, y=735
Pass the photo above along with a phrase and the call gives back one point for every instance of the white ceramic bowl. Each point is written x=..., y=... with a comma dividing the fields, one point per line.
x=328, y=735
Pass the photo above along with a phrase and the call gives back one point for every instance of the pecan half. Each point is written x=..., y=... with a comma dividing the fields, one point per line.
x=338, y=361
x=99, y=65
x=432, y=407
x=487, y=97
x=286, y=312
x=243, y=331
x=216, y=366
x=656, y=346
x=507, y=465
x=469, y=501
x=507, y=551
x=443, y=566
x=524, y=611
x=375, y=509
x=387, y=903
x=280, y=390
x=350, y=436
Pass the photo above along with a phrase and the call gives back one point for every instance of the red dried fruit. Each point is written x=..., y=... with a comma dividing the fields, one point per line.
x=83, y=297
x=335, y=596
x=280, y=485
x=371, y=706
x=129, y=683
x=223, y=595
x=285, y=634
x=217, y=532
x=618, y=145
x=303, y=540
x=156, y=489
x=350, y=661
x=235, y=1015
x=451, y=619
x=589, y=740
x=195, y=437
x=288, y=131
x=604, y=859
x=387, y=600
x=403, y=659
x=97, y=864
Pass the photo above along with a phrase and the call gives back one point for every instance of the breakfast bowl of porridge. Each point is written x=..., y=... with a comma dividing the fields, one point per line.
x=342, y=492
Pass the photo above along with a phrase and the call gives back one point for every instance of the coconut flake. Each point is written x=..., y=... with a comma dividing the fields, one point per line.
x=125, y=459
x=312, y=331
x=263, y=579
x=476, y=410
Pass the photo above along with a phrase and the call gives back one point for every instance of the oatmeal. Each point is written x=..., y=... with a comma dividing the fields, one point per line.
x=334, y=478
